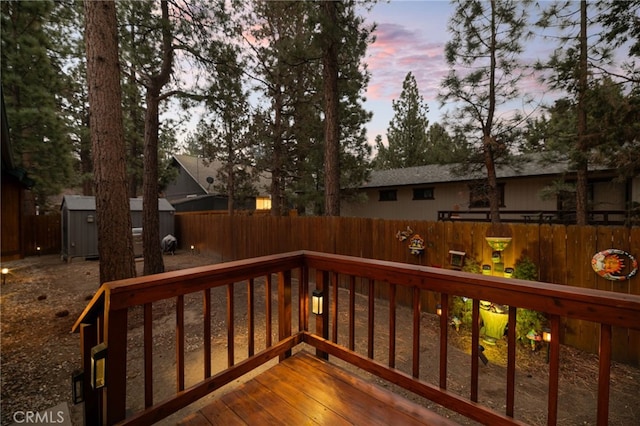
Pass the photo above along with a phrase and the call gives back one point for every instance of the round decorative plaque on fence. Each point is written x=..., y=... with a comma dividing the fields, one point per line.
x=610, y=264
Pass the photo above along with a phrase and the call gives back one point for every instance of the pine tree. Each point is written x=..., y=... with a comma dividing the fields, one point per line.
x=33, y=83
x=115, y=242
x=407, y=133
x=483, y=54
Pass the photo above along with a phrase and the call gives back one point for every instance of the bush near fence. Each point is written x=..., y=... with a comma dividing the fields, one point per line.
x=562, y=253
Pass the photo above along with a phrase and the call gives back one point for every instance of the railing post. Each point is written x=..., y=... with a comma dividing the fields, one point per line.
x=115, y=392
x=92, y=406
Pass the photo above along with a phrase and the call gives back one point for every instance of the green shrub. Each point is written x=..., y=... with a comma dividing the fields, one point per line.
x=526, y=269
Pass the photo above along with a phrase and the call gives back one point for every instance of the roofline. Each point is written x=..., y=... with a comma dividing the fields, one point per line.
x=186, y=169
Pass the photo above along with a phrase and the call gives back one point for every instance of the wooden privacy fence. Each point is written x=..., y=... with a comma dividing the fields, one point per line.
x=42, y=231
x=562, y=253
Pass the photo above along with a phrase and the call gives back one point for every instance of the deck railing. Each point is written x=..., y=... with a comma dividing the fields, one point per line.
x=594, y=217
x=105, y=320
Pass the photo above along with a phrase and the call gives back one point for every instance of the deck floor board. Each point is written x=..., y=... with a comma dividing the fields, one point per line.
x=305, y=390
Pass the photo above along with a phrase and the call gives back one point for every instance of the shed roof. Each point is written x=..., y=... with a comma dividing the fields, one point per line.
x=87, y=203
x=529, y=166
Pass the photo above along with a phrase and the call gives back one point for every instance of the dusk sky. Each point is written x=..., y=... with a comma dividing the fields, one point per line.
x=410, y=37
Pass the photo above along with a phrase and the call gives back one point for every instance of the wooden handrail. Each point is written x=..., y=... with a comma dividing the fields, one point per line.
x=602, y=217
x=109, y=309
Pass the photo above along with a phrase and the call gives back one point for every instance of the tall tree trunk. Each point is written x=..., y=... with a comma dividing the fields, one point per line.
x=153, y=263
x=231, y=178
x=115, y=242
x=331, y=124
x=86, y=163
x=582, y=165
x=276, y=172
x=489, y=141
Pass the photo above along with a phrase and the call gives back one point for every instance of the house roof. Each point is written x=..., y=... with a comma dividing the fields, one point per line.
x=88, y=203
x=531, y=165
x=200, y=170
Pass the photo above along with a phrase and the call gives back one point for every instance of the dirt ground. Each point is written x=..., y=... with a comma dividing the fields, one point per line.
x=43, y=296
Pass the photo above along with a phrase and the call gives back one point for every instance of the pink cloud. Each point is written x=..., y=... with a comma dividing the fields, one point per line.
x=399, y=50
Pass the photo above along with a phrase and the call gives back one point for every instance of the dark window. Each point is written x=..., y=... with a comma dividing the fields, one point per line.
x=388, y=195
x=423, y=193
x=479, y=195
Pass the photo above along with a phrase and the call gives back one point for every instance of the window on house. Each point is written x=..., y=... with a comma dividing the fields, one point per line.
x=479, y=195
x=263, y=203
x=388, y=195
x=423, y=193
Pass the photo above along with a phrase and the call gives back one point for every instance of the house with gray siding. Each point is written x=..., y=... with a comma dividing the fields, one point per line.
x=194, y=187
x=419, y=193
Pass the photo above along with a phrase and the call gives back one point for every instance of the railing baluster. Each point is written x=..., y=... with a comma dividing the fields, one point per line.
x=372, y=318
x=604, y=372
x=284, y=308
x=444, y=338
x=334, y=303
x=230, y=327
x=554, y=370
x=511, y=361
x=268, y=307
x=475, y=348
x=250, y=318
x=392, y=325
x=322, y=321
x=148, y=354
x=180, y=343
x=416, y=332
x=352, y=312
x=206, y=314
x=303, y=299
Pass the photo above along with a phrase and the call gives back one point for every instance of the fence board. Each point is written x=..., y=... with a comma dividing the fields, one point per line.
x=562, y=253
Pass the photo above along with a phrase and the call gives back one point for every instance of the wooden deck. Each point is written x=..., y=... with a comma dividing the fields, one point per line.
x=305, y=390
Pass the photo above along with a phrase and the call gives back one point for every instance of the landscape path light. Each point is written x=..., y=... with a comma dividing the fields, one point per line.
x=316, y=302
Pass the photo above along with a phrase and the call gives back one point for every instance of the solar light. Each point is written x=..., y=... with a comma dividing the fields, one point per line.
x=99, y=366
x=546, y=336
x=193, y=249
x=5, y=272
x=439, y=309
x=77, y=388
x=316, y=302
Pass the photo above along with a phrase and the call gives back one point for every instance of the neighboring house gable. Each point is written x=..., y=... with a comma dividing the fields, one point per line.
x=418, y=193
x=194, y=188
